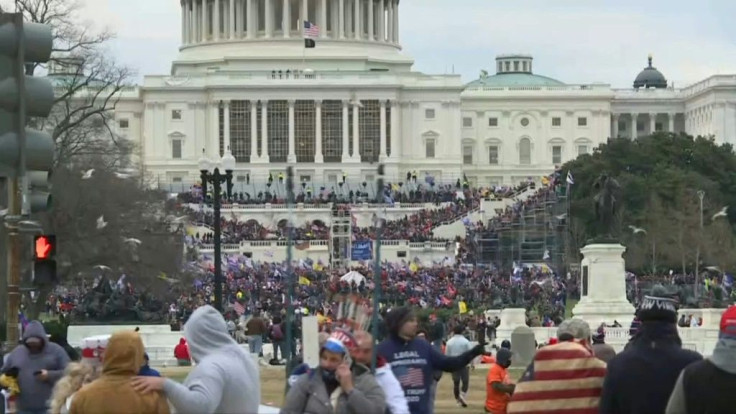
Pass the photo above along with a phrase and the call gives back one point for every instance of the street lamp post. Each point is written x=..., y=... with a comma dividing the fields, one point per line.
x=701, y=195
x=216, y=178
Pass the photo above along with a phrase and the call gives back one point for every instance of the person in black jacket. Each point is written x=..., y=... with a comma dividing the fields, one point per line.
x=641, y=378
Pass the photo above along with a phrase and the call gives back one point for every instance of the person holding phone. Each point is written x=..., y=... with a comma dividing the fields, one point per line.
x=40, y=364
x=338, y=385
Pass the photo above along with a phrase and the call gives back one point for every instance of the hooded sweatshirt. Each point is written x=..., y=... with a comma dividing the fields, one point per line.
x=706, y=385
x=226, y=379
x=113, y=392
x=34, y=393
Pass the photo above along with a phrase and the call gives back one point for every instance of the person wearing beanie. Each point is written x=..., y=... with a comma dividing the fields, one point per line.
x=226, y=379
x=338, y=385
x=565, y=377
x=705, y=386
x=499, y=387
x=413, y=360
x=641, y=378
x=146, y=370
x=601, y=349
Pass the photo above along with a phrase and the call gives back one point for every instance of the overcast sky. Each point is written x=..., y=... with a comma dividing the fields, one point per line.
x=575, y=41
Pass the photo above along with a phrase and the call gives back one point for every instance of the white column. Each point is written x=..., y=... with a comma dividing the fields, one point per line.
x=291, y=158
x=216, y=20
x=634, y=124
x=652, y=123
x=214, y=143
x=204, y=20
x=269, y=18
x=356, y=19
x=371, y=22
x=396, y=22
x=382, y=20
x=345, y=132
x=287, y=18
x=304, y=15
x=382, y=134
x=231, y=20
x=341, y=19
x=264, y=131
x=318, y=157
x=356, y=133
x=226, y=125
x=390, y=22
x=254, y=131
x=183, y=22
x=323, y=19
x=395, y=128
x=615, y=126
x=250, y=20
x=671, y=119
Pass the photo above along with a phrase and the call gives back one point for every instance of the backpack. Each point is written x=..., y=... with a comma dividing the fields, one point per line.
x=276, y=333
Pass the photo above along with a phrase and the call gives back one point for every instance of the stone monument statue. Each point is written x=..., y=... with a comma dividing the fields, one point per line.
x=605, y=205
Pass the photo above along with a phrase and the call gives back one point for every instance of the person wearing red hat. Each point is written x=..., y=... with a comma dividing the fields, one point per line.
x=705, y=386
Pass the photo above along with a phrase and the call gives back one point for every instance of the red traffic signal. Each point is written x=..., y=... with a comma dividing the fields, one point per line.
x=44, y=247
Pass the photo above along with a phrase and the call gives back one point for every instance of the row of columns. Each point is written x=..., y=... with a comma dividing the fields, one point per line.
x=635, y=119
x=318, y=156
x=242, y=19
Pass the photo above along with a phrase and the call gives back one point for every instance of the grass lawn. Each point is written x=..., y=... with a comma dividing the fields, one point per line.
x=272, y=389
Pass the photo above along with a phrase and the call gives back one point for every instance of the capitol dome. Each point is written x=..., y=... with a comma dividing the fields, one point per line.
x=265, y=35
x=650, y=77
x=513, y=70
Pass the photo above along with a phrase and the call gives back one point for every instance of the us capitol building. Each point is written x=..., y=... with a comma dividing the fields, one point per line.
x=244, y=80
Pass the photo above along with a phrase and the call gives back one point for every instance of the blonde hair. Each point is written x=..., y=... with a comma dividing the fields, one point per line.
x=75, y=376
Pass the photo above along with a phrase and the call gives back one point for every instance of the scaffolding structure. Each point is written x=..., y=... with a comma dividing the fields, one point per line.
x=341, y=237
x=538, y=234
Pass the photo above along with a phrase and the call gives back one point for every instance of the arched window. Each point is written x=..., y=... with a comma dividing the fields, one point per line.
x=525, y=151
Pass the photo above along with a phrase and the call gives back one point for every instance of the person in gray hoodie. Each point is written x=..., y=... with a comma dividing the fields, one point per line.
x=226, y=379
x=40, y=364
x=706, y=386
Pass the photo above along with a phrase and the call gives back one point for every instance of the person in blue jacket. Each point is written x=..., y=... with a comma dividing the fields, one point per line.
x=413, y=360
x=146, y=370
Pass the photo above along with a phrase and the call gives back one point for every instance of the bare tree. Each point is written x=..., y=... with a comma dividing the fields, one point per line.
x=88, y=82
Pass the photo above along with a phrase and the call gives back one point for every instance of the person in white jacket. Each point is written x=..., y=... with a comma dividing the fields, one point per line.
x=226, y=379
x=363, y=354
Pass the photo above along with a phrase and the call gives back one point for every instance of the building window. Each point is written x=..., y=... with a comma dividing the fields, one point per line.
x=493, y=155
x=507, y=66
x=369, y=123
x=640, y=126
x=467, y=122
x=582, y=121
x=123, y=124
x=176, y=114
x=176, y=149
x=582, y=150
x=304, y=130
x=556, y=121
x=524, y=122
x=429, y=113
x=524, y=66
x=429, y=148
x=305, y=178
x=516, y=66
x=221, y=130
x=557, y=154
x=240, y=130
x=492, y=122
x=658, y=126
x=177, y=179
x=240, y=178
x=621, y=126
x=332, y=130
x=467, y=154
x=525, y=151
x=500, y=67
x=278, y=130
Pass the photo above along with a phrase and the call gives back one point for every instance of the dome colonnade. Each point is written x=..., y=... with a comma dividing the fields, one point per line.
x=206, y=21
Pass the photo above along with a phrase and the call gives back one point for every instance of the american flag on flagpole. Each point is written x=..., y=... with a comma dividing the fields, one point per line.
x=311, y=30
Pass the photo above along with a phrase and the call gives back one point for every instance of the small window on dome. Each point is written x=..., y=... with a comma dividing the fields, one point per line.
x=524, y=66
x=507, y=66
x=516, y=66
x=524, y=122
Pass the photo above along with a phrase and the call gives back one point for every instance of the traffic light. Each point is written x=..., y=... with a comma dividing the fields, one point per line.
x=22, y=97
x=44, y=259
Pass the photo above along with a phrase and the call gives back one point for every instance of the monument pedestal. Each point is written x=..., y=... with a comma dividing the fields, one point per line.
x=603, y=286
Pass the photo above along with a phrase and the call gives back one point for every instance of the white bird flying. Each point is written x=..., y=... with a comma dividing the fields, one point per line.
x=722, y=213
x=86, y=175
x=101, y=223
x=132, y=241
x=561, y=216
x=637, y=230
x=102, y=267
x=122, y=176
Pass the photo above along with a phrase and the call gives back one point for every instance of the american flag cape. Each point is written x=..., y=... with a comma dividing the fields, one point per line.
x=568, y=379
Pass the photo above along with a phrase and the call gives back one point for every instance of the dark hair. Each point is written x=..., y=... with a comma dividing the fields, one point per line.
x=458, y=330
